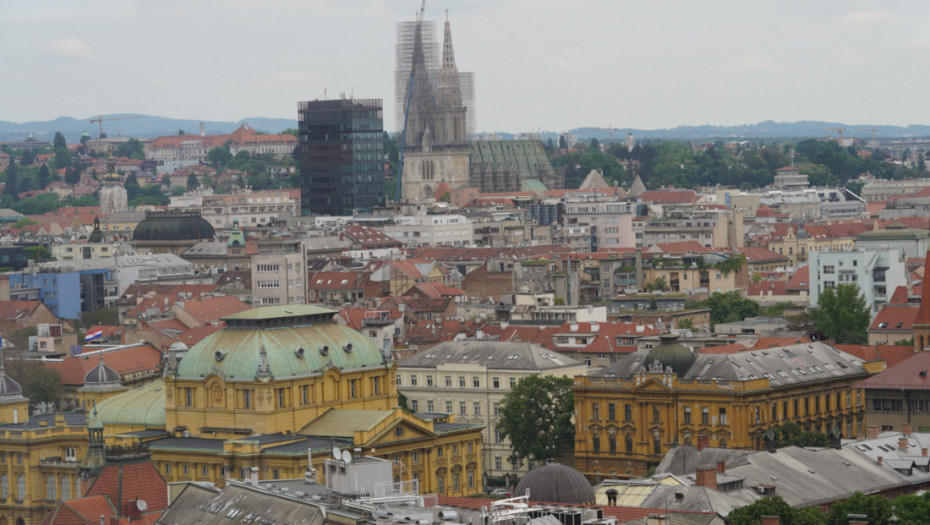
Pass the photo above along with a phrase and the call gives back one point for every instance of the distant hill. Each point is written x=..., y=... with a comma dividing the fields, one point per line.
x=145, y=126
x=763, y=130
x=151, y=126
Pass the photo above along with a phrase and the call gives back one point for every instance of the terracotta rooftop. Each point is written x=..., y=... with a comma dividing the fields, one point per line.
x=910, y=374
x=135, y=360
x=895, y=318
x=891, y=354
x=124, y=483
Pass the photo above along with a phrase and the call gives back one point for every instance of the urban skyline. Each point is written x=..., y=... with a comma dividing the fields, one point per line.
x=619, y=64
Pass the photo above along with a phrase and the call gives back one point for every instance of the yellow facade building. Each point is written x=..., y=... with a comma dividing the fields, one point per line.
x=39, y=457
x=628, y=415
x=264, y=392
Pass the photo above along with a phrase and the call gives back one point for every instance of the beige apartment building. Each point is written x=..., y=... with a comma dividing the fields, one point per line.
x=470, y=379
x=279, y=273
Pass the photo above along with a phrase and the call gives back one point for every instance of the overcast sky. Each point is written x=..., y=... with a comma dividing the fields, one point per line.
x=538, y=64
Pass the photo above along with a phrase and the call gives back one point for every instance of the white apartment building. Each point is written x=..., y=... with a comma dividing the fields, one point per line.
x=607, y=222
x=470, y=379
x=877, y=273
x=249, y=208
x=441, y=230
x=279, y=273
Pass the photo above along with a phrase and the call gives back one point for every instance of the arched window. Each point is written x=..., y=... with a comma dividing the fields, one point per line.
x=65, y=488
x=21, y=487
x=50, y=488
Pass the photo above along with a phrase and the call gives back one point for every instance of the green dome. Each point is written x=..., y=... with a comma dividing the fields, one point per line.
x=893, y=232
x=176, y=225
x=143, y=407
x=671, y=353
x=280, y=342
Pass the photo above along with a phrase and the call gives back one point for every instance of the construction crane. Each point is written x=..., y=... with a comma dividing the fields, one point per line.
x=403, y=133
x=840, y=131
x=874, y=131
x=100, y=120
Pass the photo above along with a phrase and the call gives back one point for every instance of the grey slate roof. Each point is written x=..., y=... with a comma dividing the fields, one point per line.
x=492, y=354
x=684, y=519
x=784, y=365
x=685, y=459
x=197, y=506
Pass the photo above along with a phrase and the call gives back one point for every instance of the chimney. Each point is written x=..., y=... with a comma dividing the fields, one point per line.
x=902, y=443
x=857, y=519
x=871, y=432
x=254, y=477
x=722, y=467
x=657, y=519
x=907, y=429
x=769, y=520
x=703, y=442
x=923, y=452
x=880, y=460
x=706, y=477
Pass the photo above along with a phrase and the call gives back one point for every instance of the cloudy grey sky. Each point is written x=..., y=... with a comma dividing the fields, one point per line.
x=539, y=64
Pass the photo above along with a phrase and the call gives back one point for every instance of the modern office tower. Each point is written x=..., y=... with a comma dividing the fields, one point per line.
x=340, y=156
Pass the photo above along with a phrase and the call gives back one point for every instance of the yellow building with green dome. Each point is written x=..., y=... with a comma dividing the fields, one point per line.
x=278, y=382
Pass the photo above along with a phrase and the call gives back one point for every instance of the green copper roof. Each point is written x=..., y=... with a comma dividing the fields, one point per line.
x=173, y=225
x=140, y=406
x=275, y=312
x=671, y=353
x=527, y=156
x=344, y=423
x=293, y=346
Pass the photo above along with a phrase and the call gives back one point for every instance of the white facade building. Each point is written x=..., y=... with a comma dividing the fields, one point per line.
x=442, y=230
x=876, y=273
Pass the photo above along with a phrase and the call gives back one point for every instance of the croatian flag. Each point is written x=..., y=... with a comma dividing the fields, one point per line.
x=96, y=334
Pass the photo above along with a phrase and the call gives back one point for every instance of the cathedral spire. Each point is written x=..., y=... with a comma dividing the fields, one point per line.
x=448, y=54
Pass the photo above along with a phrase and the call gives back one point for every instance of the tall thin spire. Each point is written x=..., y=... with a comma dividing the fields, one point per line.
x=448, y=54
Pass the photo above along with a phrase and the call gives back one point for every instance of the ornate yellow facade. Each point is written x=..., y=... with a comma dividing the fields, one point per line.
x=279, y=384
x=629, y=414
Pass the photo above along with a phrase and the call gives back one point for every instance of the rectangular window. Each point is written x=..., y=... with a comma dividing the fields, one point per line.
x=463, y=410
x=413, y=380
x=282, y=397
x=189, y=396
x=722, y=413
x=611, y=411
x=498, y=464
x=595, y=443
x=376, y=385
x=687, y=415
x=429, y=406
x=705, y=416
x=628, y=413
x=416, y=457
x=497, y=409
x=353, y=388
x=449, y=381
x=247, y=399
x=414, y=405
x=429, y=380
x=612, y=442
x=477, y=408
x=476, y=382
x=496, y=382
x=448, y=407
x=305, y=395
x=461, y=381
x=595, y=412
x=513, y=382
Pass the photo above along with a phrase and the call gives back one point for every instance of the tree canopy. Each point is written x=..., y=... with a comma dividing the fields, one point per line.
x=39, y=382
x=728, y=307
x=774, y=506
x=842, y=314
x=536, y=416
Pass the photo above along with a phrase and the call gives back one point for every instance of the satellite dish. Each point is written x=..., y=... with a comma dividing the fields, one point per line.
x=142, y=505
x=337, y=453
x=346, y=456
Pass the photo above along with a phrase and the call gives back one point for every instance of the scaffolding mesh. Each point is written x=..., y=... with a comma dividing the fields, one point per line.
x=408, y=34
x=467, y=83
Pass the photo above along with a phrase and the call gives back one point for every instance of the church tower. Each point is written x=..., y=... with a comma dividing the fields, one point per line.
x=922, y=323
x=436, y=142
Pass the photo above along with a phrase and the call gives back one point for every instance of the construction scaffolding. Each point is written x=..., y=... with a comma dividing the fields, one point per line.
x=422, y=35
x=412, y=36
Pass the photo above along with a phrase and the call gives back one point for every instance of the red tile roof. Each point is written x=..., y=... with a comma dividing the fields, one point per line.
x=923, y=315
x=764, y=288
x=354, y=317
x=895, y=318
x=439, y=253
x=142, y=359
x=899, y=296
x=16, y=310
x=197, y=334
x=800, y=280
x=891, y=354
x=669, y=196
x=371, y=238
x=212, y=309
x=80, y=511
x=336, y=281
x=755, y=254
x=912, y=374
x=124, y=483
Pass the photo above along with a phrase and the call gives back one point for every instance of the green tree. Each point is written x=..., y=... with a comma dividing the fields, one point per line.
x=775, y=506
x=37, y=253
x=178, y=191
x=684, y=324
x=59, y=141
x=912, y=509
x=791, y=434
x=728, y=307
x=45, y=177
x=72, y=176
x=562, y=143
x=132, y=149
x=12, y=181
x=192, y=182
x=39, y=382
x=876, y=508
x=536, y=415
x=658, y=285
x=842, y=314
x=219, y=157
x=28, y=157
x=103, y=316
